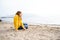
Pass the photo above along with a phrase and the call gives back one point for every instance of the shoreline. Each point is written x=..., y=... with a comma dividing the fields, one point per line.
x=33, y=24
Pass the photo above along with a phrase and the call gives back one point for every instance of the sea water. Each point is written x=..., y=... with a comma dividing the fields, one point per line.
x=36, y=20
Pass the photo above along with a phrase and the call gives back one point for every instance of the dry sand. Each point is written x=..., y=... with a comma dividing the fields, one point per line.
x=35, y=32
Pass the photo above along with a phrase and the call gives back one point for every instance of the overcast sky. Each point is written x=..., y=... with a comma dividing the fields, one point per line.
x=36, y=7
x=48, y=11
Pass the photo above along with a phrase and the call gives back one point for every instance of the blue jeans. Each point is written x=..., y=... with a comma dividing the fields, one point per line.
x=25, y=25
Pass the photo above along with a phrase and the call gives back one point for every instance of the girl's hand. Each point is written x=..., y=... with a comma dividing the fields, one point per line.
x=24, y=29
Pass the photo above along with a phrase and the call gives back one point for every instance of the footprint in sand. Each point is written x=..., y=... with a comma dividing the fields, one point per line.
x=57, y=39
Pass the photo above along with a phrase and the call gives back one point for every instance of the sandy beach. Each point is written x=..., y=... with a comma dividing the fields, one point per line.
x=34, y=32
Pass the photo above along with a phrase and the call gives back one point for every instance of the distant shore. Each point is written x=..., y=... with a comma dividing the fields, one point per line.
x=0, y=20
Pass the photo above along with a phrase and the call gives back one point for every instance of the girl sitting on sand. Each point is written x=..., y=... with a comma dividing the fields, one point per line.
x=18, y=24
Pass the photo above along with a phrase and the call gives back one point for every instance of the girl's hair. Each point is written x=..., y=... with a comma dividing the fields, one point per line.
x=18, y=13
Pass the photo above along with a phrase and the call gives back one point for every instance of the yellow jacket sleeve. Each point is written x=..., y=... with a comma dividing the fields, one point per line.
x=16, y=22
x=22, y=25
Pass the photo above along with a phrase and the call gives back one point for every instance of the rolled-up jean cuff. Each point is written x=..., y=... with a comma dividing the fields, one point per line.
x=25, y=25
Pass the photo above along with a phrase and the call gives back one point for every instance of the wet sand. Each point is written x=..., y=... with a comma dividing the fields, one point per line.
x=34, y=32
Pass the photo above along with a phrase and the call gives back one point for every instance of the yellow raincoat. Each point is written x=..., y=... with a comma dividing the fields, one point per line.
x=18, y=22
